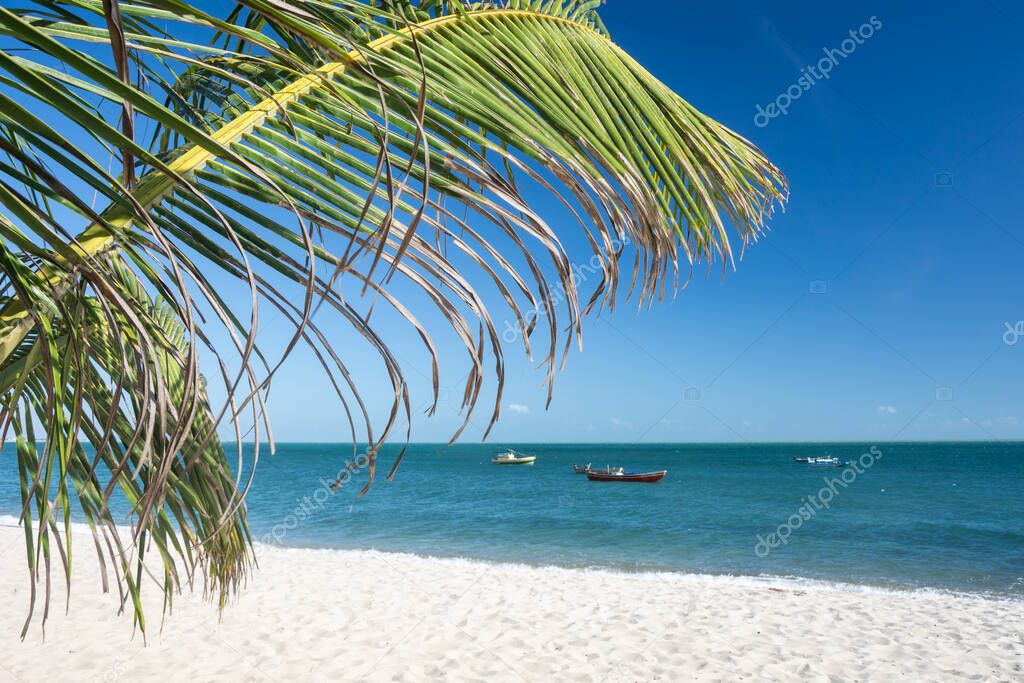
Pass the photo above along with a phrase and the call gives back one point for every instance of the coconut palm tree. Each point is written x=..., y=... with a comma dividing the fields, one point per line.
x=332, y=157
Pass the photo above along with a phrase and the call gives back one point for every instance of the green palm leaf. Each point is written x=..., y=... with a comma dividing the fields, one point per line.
x=360, y=151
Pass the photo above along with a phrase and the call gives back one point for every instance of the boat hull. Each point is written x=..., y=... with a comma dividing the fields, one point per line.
x=517, y=461
x=639, y=477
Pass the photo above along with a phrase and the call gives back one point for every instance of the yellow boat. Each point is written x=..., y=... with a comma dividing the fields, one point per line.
x=511, y=457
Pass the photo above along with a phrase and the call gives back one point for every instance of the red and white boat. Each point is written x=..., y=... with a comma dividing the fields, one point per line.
x=645, y=477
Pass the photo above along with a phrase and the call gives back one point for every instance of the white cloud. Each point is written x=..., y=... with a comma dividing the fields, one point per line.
x=518, y=409
x=887, y=410
x=625, y=424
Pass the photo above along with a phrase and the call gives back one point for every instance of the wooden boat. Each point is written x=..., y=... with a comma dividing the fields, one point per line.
x=619, y=475
x=511, y=457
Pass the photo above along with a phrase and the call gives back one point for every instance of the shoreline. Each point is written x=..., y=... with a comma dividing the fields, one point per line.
x=328, y=615
x=666, y=573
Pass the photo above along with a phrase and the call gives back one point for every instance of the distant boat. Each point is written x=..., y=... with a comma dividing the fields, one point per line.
x=821, y=461
x=511, y=457
x=587, y=469
x=619, y=475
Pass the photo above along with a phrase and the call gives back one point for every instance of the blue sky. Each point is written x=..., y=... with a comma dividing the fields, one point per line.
x=877, y=306
x=875, y=309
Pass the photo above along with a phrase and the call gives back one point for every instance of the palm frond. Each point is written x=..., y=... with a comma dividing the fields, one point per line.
x=359, y=151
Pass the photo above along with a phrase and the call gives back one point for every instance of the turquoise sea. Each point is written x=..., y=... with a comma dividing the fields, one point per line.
x=911, y=515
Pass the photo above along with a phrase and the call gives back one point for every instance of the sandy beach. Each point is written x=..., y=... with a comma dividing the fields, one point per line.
x=324, y=615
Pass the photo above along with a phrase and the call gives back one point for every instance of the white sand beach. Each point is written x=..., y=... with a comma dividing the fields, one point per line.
x=320, y=615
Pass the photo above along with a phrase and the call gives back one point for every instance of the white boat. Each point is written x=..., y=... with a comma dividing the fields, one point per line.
x=511, y=457
x=825, y=460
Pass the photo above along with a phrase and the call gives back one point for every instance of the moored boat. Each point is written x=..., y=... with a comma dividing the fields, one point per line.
x=619, y=475
x=825, y=461
x=511, y=457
